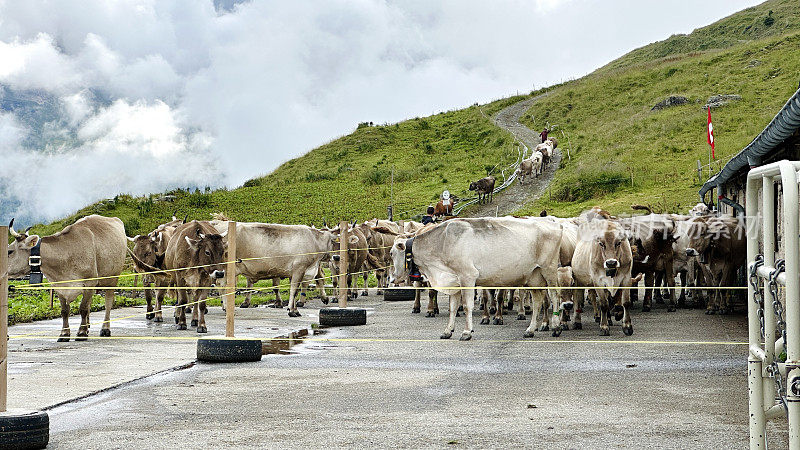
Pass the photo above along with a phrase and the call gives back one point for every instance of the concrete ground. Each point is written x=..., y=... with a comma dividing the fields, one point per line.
x=393, y=383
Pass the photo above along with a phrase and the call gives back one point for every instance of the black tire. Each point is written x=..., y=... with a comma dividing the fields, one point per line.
x=399, y=294
x=24, y=429
x=228, y=350
x=338, y=317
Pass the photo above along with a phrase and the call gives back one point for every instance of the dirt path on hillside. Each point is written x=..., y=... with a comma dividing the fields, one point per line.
x=517, y=195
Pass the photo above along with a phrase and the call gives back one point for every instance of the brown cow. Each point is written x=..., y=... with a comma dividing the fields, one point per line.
x=91, y=248
x=151, y=249
x=357, y=255
x=484, y=188
x=444, y=208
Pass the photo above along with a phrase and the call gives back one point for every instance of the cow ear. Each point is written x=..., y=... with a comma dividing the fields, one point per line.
x=353, y=239
x=192, y=243
x=675, y=237
x=32, y=240
x=401, y=246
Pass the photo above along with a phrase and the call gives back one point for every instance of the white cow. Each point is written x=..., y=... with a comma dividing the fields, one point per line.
x=501, y=251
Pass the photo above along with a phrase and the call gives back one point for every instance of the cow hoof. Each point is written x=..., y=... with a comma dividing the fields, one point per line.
x=82, y=337
x=181, y=326
x=202, y=329
x=457, y=314
x=105, y=332
x=577, y=326
x=430, y=314
x=627, y=330
x=150, y=316
x=294, y=313
x=485, y=321
x=492, y=311
x=605, y=332
x=194, y=322
x=436, y=310
x=465, y=336
x=446, y=335
x=521, y=317
x=645, y=308
x=670, y=308
x=63, y=339
x=300, y=304
x=324, y=300
x=158, y=319
x=556, y=332
x=364, y=293
x=415, y=310
x=497, y=321
x=380, y=292
x=528, y=334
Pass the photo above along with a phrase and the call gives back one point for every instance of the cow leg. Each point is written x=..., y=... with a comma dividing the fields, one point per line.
x=323, y=296
x=365, y=277
x=159, y=317
x=712, y=293
x=669, y=276
x=580, y=298
x=247, y=296
x=379, y=275
x=65, y=304
x=593, y=301
x=658, y=281
x=84, y=308
x=604, y=316
x=537, y=299
x=499, y=299
x=415, y=309
x=485, y=305
x=433, y=307
x=303, y=296
x=294, y=283
x=682, y=298
x=627, y=327
x=105, y=329
x=200, y=297
x=455, y=301
x=180, y=319
x=468, y=300
x=195, y=308
x=724, y=301
x=148, y=296
x=510, y=306
x=648, y=291
x=276, y=283
x=521, y=304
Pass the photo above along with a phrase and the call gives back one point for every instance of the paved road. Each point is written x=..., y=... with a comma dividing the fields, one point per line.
x=518, y=195
x=392, y=383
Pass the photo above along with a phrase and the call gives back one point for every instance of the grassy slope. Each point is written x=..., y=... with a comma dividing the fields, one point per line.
x=615, y=135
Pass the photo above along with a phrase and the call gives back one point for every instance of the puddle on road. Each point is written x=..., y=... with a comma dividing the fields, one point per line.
x=288, y=344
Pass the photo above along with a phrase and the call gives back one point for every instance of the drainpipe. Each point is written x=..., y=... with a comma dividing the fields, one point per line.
x=724, y=200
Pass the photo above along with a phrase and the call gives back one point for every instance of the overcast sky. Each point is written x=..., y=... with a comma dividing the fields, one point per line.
x=156, y=94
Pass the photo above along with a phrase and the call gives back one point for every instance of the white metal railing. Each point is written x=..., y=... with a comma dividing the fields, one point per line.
x=773, y=383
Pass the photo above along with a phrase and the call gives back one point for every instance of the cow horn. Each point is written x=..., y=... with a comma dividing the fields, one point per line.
x=11, y=228
x=173, y=215
x=201, y=235
x=185, y=217
x=28, y=229
x=324, y=223
x=132, y=239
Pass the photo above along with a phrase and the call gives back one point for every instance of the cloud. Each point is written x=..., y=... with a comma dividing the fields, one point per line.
x=143, y=96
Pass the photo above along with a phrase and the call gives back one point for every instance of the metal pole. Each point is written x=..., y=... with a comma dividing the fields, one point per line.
x=344, y=235
x=754, y=365
x=230, y=280
x=3, y=322
x=791, y=228
x=768, y=230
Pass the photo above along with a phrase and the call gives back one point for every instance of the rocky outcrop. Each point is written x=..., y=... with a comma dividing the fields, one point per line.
x=715, y=101
x=672, y=100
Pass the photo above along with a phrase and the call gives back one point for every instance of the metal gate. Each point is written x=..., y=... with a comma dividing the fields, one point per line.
x=773, y=365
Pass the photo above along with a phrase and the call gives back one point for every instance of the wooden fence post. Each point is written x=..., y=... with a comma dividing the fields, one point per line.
x=344, y=235
x=3, y=323
x=230, y=280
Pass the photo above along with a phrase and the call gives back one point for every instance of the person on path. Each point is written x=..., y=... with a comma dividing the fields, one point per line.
x=543, y=134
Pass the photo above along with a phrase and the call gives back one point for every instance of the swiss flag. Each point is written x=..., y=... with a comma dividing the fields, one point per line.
x=710, y=133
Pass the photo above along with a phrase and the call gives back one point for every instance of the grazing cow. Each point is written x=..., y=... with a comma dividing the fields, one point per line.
x=151, y=249
x=484, y=188
x=92, y=250
x=603, y=261
x=247, y=242
x=720, y=246
x=502, y=251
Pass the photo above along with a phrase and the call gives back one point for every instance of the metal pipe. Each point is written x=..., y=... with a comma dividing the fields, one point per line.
x=791, y=229
x=739, y=208
x=768, y=243
x=754, y=376
x=757, y=352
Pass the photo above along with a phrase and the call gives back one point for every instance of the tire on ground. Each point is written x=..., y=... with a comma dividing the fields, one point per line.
x=24, y=429
x=398, y=294
x=223, y=349
x=337, y=317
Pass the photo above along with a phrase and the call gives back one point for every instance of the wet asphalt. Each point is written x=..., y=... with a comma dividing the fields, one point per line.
x=393, y=383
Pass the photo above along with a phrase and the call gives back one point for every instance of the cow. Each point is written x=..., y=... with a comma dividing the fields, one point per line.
x=378, y=245
x=151, y=249
x=444, y=207
x=683, y=265
x=720, y=247
x=275, y=251
x=503, y=251
x=531, y=166
x=484, y=188
x=603, y=261
x=653, y=236
x=87, y=254
x=357, y=255
x=552, y=141
x=699, y=210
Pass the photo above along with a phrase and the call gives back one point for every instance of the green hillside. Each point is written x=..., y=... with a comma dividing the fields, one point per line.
x=622, y=152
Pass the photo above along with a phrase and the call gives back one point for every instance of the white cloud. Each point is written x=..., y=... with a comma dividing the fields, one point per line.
x=154, y=94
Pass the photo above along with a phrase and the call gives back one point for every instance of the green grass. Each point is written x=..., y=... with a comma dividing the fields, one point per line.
x=624, y=153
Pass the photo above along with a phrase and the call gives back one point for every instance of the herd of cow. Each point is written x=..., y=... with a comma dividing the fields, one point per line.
x=545, y=265
x=535, y=164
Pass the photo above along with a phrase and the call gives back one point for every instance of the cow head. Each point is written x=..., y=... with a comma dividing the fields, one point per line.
x=699, y=239
x=210, y=253
x=613, y=249
x=19, y=251
x=145, y=248
x=473, y=186
x=352, y=240
x=398, y=252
